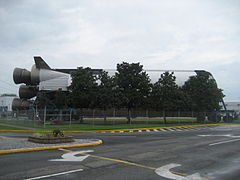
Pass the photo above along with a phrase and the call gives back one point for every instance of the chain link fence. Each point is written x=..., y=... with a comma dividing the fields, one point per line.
x=43, y=117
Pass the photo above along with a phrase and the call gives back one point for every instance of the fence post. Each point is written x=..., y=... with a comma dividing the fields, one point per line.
x=44, y=118
x=36, y=115
x=70, y=118
x=114, y=112
x=93, y=116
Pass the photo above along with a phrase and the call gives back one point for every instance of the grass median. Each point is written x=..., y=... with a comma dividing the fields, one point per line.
x=9, y=128
x=91, y=124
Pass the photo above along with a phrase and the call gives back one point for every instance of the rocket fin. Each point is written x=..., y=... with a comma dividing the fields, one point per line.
x=40, y=63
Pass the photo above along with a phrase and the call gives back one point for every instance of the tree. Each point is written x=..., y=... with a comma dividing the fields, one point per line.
x=83, y=90
x=203, y=92
x=45, y=99
x=166, y=95
x=133, y=85
x=105, y=93
x=60, y=99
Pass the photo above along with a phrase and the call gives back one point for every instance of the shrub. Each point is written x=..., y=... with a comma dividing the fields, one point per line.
x=57, y=133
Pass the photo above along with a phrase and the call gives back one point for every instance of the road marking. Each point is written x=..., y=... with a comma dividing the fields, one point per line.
x=70, y=156
x=164, y=171
x=222, y=135
x=111, y=159
x=223, y=142
x=52, y=175
x=124, y=162
x=174, y=128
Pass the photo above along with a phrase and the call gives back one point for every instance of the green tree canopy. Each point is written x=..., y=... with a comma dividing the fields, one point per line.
x=83, y=90
x=60, y=99
x=133, y=83
x=105, y=93
x=203, y=92
x=167, y=95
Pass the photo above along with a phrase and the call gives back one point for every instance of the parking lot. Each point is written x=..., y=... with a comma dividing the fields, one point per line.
x=180, y=153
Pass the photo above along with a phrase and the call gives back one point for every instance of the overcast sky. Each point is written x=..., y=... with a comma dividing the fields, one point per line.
x=160, y=34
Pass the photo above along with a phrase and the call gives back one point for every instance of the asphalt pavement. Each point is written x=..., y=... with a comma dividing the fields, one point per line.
x=194, y=153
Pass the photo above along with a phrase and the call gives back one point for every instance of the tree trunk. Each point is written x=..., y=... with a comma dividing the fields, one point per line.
x=105, y=117
x=129, y=116
x=81, y=117
x=164, y=117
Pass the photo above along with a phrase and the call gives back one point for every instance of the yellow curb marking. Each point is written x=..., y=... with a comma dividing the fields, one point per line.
x=124, y=162
x=97, y=142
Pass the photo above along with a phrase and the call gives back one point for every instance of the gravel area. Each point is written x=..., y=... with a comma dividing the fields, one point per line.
x=7, y=144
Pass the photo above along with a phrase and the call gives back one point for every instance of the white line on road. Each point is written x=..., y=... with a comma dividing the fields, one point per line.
x=165, y=171
x=57, y=174
x=221, y=135
x=223, y=142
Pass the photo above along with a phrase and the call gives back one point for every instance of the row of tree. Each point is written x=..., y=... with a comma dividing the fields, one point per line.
x=131, y=87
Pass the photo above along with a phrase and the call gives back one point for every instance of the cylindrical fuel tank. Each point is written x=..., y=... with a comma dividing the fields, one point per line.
x=181, y=75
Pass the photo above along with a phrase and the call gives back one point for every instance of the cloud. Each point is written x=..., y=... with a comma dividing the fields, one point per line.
x=187, y=34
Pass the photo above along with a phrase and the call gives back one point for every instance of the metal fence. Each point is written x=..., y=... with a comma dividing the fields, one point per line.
x=43, y=117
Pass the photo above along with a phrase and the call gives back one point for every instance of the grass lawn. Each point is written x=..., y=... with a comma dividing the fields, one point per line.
x=236, y=121
x=9, y=128
x=87, y=127
x=98, y=124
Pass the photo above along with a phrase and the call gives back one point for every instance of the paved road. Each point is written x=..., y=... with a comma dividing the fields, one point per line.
x=200, y=153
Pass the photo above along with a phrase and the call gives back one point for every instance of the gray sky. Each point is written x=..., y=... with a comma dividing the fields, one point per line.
x=160, y=34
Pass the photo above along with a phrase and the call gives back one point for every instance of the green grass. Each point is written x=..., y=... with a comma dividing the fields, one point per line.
x=236, y=121
x=143, y=119
x=98, y=124
x=9, y=128
x=86, y=127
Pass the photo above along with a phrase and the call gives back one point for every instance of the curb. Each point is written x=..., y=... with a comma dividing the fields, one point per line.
x=117, y=130
x=97, y=142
